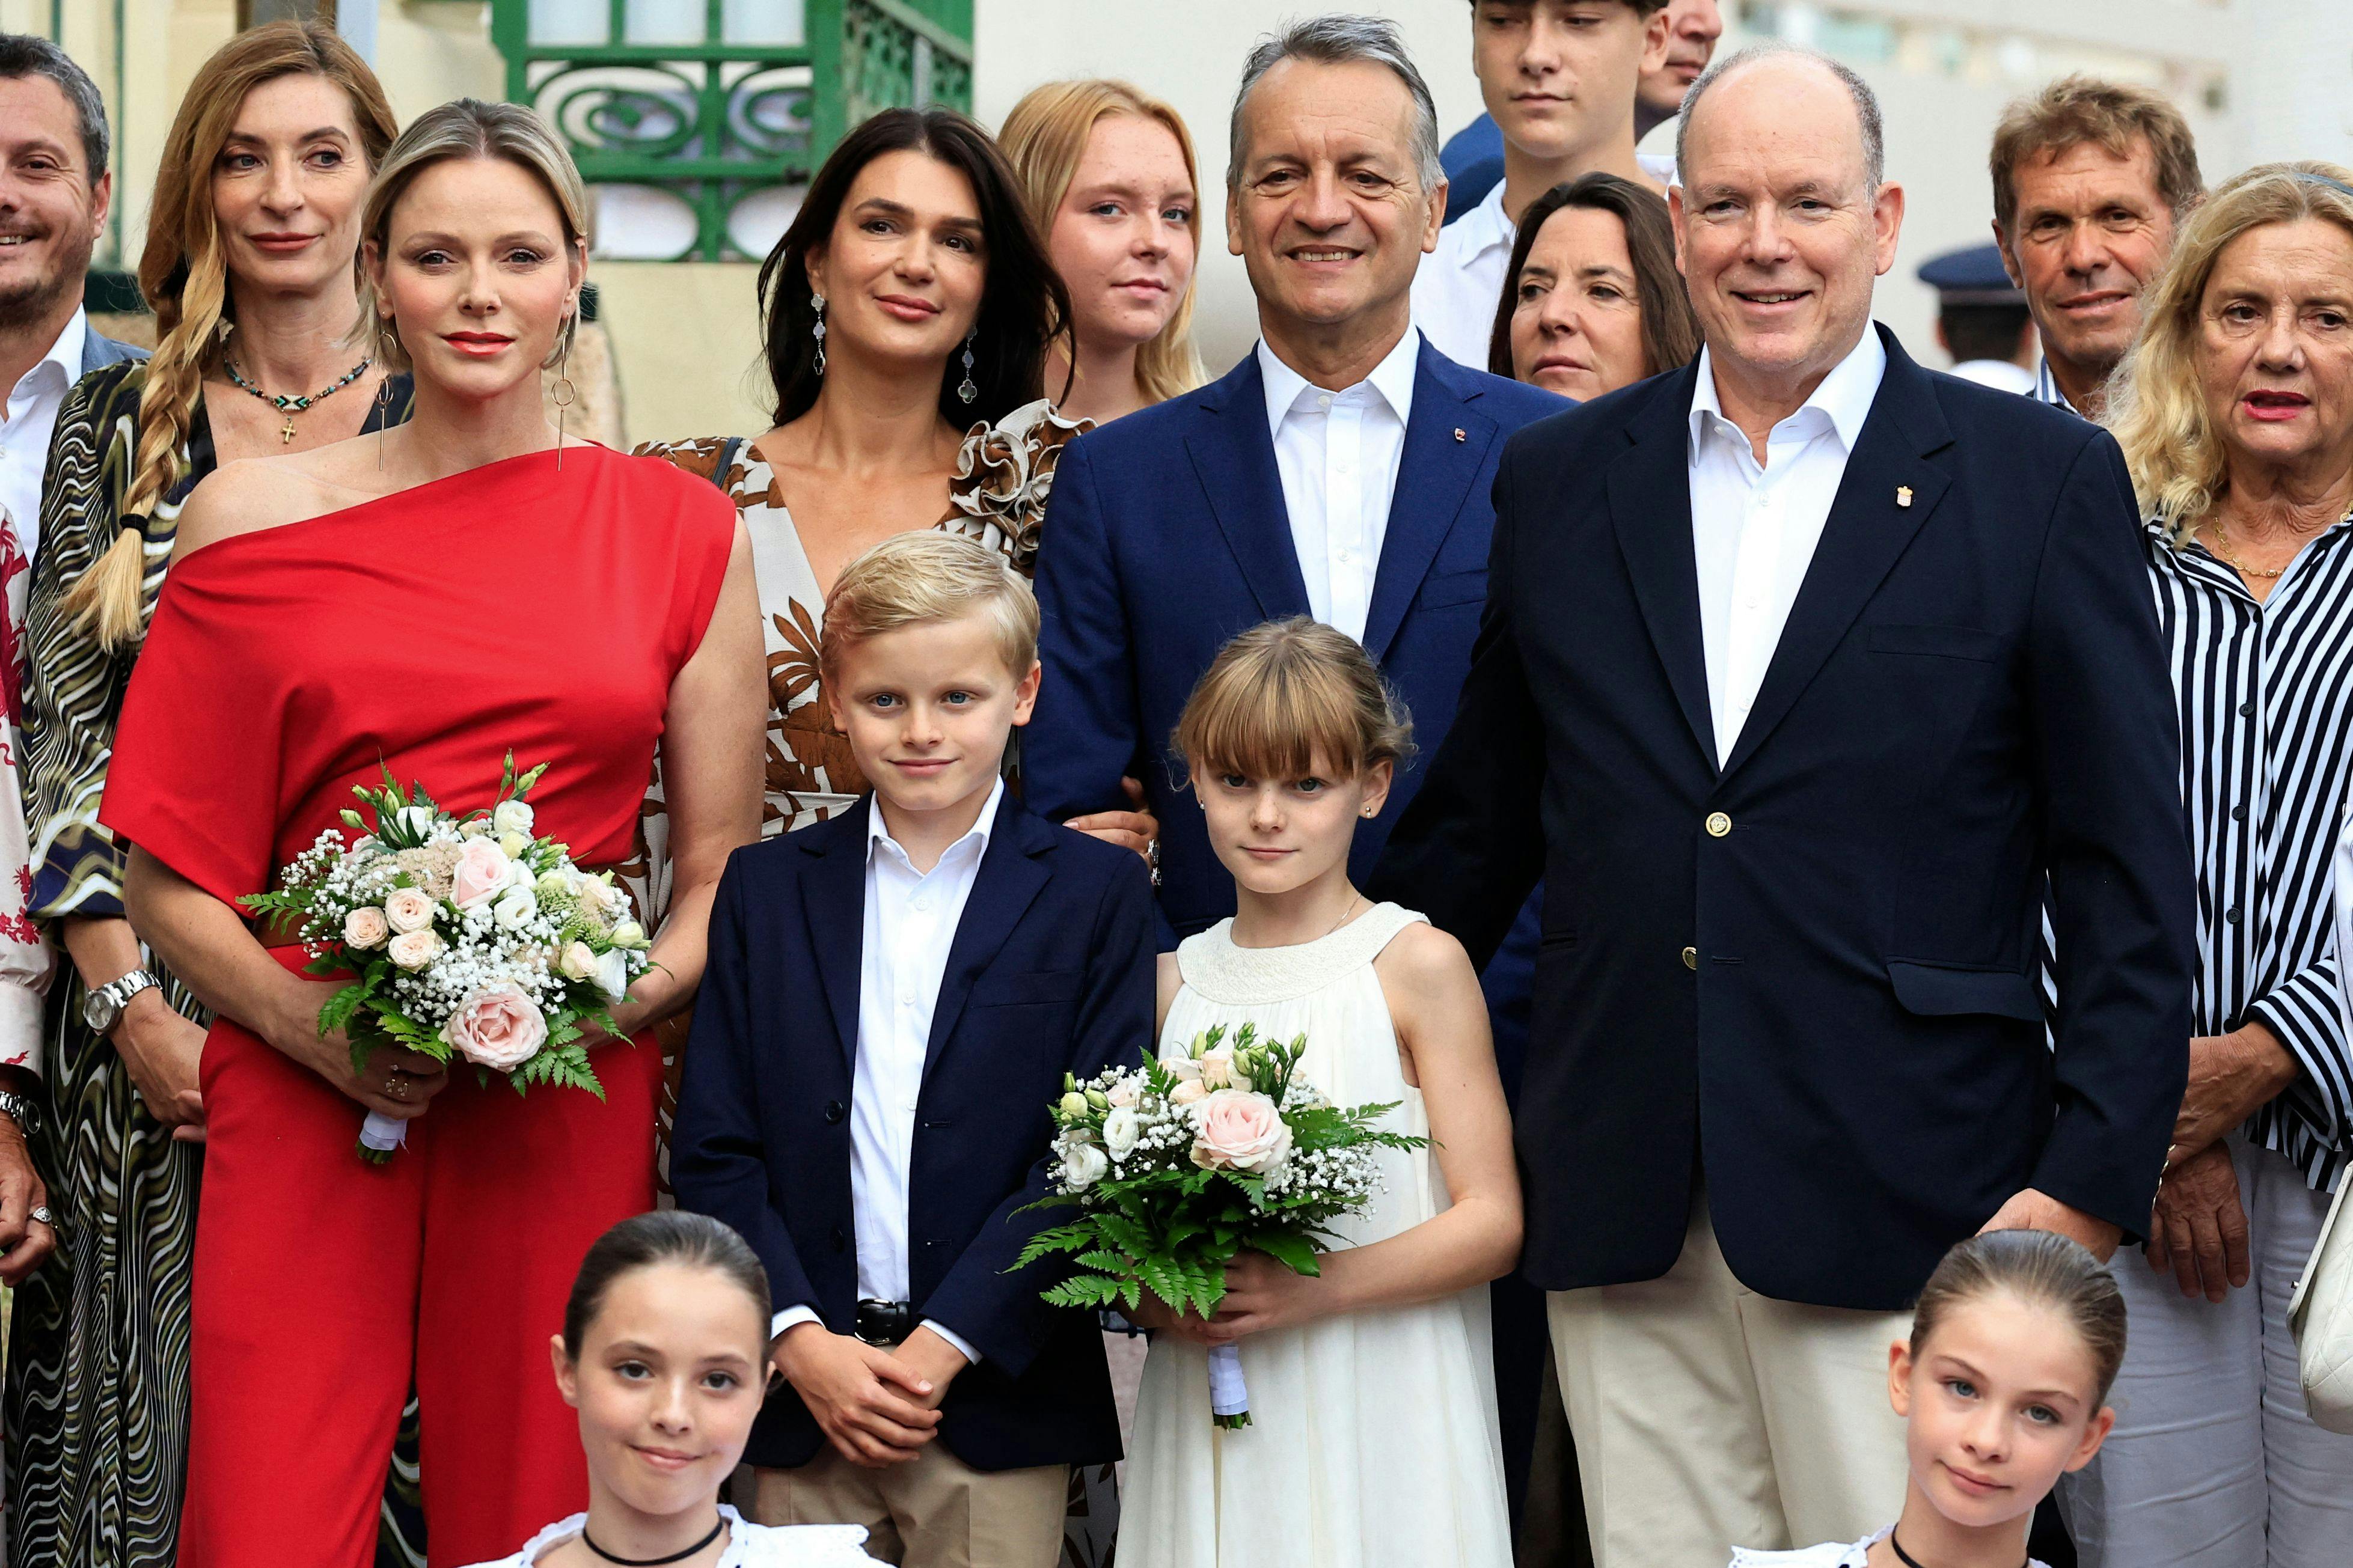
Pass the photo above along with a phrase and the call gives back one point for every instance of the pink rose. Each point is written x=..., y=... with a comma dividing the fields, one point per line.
x=497, y=1026
x=1237, y=1131
x=408, y=909
x=483, y=870
x=1187, y=1091
x=412, y=950
x=365, y=928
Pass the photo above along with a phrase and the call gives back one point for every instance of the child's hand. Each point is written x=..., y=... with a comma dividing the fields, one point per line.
x=931, y=1359
x=1262, y=1294
x=871, y=1407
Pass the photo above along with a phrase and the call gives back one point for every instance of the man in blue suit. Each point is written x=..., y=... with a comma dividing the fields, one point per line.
x=1341, y=470
x=1804, y=672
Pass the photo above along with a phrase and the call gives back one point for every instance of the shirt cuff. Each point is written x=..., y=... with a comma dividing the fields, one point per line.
x=20, y=1025
x=962, y=1346
x=791, y=1318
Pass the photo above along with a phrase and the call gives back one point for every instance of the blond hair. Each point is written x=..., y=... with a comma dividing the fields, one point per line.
x=1287, y=698
x=183, y=276
x=2075, y=109
x=1044, y=138
x=2155, y=407
x=922, y=579
x=470, y=128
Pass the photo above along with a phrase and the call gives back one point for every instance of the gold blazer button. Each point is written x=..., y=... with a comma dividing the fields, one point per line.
x=1718, y=824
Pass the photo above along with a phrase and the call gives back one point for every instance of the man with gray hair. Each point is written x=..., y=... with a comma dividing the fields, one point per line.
x=1813, y=669
x=1341, y=470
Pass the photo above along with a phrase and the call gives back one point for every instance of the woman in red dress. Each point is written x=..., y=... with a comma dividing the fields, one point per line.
x=427, y=599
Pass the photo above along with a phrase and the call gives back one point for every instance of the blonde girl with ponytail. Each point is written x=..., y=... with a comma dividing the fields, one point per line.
x=250, y=268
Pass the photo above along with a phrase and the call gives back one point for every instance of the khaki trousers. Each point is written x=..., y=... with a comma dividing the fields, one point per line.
x=1707, y=1416
x=934, y=1512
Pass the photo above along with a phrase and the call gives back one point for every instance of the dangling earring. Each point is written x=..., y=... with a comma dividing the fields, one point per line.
x=563, y=392
x=968, y=391
x=383, y=342
x=817, y=331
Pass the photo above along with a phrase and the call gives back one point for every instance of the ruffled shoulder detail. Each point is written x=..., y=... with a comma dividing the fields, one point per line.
x=700, y=456
x=1005, y=473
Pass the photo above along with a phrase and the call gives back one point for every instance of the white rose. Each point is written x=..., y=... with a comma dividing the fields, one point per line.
x=1124, y=1092
x=1187, y=1092
x=412, y=950
x=578, y=963
x=1083, y=1166
x=515, y=906
x=629, y=933
x=512, y=816
x=1121, y=1128
x=1218, y=1068
x=1182, y=1068
x=613, y=974
x=408, y=909
x=594, y=895
x=366, y=927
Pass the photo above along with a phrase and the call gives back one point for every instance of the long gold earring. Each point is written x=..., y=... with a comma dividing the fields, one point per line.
x=383, y=342
x=562, y=391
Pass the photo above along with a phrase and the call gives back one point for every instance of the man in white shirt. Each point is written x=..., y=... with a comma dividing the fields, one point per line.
x=1814, y=671
x=1559, y=78
x=1982, y=319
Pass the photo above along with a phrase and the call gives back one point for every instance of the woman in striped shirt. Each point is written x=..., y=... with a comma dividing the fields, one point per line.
x=2235, y=412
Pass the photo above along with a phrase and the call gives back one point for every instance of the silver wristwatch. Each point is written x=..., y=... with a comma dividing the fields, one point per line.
x=18, y=1110
x=102, y=1008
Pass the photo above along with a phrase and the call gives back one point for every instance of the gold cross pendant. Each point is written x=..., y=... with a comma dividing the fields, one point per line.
x=286, y=431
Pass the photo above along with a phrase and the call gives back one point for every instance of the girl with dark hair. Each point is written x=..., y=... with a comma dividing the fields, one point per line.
x=908, y=312
x=664, y=1354
x=1592, y=300
x=2003, y=1387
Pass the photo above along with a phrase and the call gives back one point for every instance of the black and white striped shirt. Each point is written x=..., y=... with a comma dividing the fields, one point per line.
x=2265, y=691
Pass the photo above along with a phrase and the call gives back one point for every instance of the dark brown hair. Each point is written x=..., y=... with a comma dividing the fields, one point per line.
x=1023, y=306
x=1670, y=330
x=2041, y=1268
x=665, y=1236
x=2079, y=108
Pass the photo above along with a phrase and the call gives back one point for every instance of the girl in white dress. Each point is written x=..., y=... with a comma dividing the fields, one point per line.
x=664, y=1354
x=2004, y=1388
x=1372, y=1398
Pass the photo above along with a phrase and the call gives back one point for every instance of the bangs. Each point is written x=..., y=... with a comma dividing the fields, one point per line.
x=1274, y=718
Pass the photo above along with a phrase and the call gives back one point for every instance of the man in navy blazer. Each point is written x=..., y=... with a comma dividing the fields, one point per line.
x=1804, y=672
x=1358, y=493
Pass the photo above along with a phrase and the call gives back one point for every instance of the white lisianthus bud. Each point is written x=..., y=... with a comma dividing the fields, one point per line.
x=552, y=884
x=1083, y=1166
x=513, y=843
x=629, y=933
x=613, y=974
x=1074, y=1104
x=578, y=963
x=512, y=816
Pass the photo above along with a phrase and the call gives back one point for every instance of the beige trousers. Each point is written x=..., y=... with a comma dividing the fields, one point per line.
x=934, y=1512
x=1707, y=1416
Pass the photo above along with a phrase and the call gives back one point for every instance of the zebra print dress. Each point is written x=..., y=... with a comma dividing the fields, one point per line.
x=96, y=1399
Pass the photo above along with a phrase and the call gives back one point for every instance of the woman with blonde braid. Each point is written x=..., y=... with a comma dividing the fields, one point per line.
x=250, y=268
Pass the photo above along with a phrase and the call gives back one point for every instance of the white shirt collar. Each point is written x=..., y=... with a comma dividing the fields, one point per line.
x=65, y=353
x=1392, y=379
x=1844, y=396
x=1486, y=223
x=878, y=833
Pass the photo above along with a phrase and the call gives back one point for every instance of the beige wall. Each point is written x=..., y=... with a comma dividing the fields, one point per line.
x=686, y=342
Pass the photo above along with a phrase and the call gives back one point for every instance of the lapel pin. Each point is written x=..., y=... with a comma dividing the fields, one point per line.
x=1459, y=435
x=1904, y=495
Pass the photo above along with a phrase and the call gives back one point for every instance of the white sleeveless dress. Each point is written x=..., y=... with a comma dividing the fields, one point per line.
x=1373, y=1440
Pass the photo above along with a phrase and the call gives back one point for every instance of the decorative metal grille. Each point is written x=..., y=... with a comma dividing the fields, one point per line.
x=697, y=122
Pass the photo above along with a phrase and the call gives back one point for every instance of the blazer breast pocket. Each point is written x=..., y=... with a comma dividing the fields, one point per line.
x=1936, y=642
x=1443, y=590
x=1037, y=988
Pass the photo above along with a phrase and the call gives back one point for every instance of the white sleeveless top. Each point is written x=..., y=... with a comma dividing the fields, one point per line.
x=1373, y=1442
x=748, y=1545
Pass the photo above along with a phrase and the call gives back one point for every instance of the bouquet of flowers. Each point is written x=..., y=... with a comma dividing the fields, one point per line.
x=462, y=936
x=1179, y=1166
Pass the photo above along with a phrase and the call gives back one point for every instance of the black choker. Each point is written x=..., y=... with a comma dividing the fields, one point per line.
x=1893, y=1545
x=589, y=1541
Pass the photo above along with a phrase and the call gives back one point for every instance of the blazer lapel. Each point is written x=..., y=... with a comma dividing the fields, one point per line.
x=1233, y=456
x=1650, y=504
x=833, y=896
x=1012, y=874
x=1445, y=444
x=1887, y=493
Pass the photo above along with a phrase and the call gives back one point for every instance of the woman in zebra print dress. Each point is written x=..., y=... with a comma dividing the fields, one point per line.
x=97, y=1391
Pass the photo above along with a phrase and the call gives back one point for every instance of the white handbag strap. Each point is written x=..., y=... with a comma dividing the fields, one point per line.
x=2295, y=1303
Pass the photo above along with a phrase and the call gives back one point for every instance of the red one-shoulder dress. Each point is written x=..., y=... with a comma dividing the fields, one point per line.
x=517, y=607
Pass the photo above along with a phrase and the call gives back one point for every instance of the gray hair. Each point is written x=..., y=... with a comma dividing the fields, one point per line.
x=1866, y=103
x=23, y=55
x=1338, y=40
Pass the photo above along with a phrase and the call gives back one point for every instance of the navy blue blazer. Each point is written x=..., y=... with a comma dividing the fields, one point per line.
x=1808, y=975
x=1051, y=972
x=1166, y=534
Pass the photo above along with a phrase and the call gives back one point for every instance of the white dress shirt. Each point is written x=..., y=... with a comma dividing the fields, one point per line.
x=2001, y=374
x=1337, y=453
x=1458, y=286
x=1754, y=527
x=32, y=418
x=911, y=923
